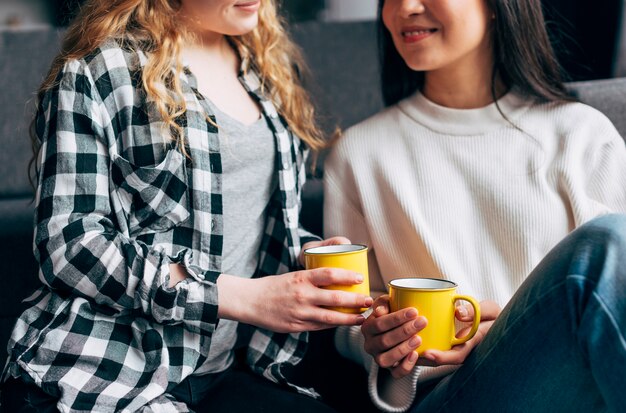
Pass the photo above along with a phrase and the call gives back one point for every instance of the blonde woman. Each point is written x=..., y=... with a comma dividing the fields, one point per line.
x=172, y=141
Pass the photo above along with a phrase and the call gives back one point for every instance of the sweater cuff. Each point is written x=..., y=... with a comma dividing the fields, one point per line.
x=349, y=343
x=388, y=394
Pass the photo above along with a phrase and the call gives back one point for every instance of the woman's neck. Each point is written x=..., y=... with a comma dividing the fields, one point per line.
x=209, y=44
x=213, y=54
x=467, y=83
x=462, y=89
x=215, y=65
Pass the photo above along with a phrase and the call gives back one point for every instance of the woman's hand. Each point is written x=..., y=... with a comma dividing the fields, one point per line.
x=291, y=302
x=391, y=338
x=323, y=243
x=489, y=311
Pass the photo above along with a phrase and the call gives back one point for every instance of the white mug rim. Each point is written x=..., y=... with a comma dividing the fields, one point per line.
x=335, y=249
x=444, y=285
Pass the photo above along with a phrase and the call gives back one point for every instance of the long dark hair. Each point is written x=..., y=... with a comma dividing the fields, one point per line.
x=523, y=56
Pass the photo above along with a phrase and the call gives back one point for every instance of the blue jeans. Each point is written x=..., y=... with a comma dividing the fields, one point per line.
x=559, y=344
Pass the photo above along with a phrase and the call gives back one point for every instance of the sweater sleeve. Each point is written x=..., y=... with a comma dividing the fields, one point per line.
x=342, y=209
x=343, y=216
x=607, y=181
x=388, y=394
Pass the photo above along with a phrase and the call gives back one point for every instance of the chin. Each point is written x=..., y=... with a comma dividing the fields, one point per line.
x=420, y=65
x=241, y=30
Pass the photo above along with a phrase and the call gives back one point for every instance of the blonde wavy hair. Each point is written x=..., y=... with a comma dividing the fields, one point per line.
x=276, y=58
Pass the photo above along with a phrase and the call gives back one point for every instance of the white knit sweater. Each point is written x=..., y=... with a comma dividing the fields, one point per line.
x=467, y=195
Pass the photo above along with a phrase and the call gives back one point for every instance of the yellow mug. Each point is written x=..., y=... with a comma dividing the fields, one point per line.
x=434, y=299
x=347, y=256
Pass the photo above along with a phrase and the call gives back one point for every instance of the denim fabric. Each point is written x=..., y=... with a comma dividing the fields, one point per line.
x=559, y=345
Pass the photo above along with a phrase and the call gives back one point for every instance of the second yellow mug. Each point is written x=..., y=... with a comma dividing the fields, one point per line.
x=347, y=256
x=434, y=299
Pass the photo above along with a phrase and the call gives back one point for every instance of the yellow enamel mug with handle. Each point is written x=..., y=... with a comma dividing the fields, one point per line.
x=351, y=257
x=434, y=299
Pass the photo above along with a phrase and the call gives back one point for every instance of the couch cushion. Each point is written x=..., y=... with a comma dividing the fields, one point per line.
x=19, y=270
x=343, y=58
x=343, y=61
x=24, y=60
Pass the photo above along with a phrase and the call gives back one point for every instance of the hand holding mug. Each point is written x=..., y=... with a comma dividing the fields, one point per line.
x=434, y=299
x=392, y=337
x=396, y=336
x=489, y=311
x=332, y=291
x=292, y=302
x=352, y=257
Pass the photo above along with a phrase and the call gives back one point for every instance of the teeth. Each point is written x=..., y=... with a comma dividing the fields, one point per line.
x=416, y=33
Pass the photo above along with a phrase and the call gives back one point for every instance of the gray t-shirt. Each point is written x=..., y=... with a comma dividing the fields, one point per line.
x=248, y=155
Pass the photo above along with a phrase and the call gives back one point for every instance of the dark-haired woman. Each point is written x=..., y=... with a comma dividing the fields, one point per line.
x=483, y=170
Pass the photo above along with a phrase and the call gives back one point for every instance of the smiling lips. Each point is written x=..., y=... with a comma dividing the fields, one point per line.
x=249, y=6
x=415, y=34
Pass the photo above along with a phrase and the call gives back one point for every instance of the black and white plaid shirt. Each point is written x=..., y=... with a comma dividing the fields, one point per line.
x=116, y=204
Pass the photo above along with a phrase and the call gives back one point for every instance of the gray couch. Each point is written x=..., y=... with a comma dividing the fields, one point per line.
x=344, y=65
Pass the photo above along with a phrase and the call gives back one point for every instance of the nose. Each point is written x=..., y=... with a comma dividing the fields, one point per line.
x=410, y=8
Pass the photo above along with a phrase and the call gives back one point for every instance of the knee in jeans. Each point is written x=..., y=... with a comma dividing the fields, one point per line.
x=611, y=227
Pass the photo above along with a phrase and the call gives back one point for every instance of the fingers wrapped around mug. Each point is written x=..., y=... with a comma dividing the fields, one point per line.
x=352, y=257
x=331, y=295
x=434, y=299
x=392, y=338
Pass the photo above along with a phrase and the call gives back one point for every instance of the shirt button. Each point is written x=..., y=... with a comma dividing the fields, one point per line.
x=213, y=224
x=286, y=165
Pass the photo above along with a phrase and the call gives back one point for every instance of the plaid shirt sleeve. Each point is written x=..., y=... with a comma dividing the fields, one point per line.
x=78, y=244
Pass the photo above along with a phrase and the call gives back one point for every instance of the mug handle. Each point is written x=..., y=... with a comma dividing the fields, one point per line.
x=476, y=322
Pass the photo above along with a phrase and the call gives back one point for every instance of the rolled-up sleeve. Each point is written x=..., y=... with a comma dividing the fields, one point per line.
x=78, y=244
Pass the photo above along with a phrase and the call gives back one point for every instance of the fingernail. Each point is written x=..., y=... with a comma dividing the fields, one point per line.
x=412, y=313
x=369, y=301
x=463, y=311
x=413, y=356
x=414, y=341
x=420, y=323
x=359, y=320
x=380, y=309
x=359, y=278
